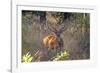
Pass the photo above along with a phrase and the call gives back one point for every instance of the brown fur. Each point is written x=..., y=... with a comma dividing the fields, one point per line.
x=50, y=41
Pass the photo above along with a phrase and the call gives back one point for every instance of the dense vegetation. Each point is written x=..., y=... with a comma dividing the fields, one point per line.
x=72, y=31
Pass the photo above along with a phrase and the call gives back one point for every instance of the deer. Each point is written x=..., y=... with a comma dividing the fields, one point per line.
x=54, y=40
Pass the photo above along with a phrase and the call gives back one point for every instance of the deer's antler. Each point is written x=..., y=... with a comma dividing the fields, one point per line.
x=64, y=26
x=51, y=28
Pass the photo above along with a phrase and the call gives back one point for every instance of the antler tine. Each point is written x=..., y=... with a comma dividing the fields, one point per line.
x=52, y=28
x=64, y=27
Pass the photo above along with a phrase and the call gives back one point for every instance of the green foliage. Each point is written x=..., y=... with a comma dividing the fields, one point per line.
x=27, y=58
x=63, y=55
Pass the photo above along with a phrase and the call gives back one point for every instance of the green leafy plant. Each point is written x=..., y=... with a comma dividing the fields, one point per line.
x=27, y=58
x=63, y=55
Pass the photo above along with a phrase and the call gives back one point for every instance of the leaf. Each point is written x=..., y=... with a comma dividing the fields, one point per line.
x=63, y=55
x=30, y=59
x=27, y=58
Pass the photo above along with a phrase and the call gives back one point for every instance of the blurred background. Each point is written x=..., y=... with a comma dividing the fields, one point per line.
x=71, y=29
